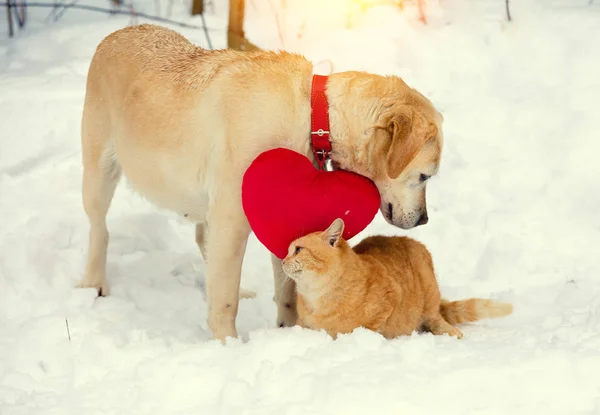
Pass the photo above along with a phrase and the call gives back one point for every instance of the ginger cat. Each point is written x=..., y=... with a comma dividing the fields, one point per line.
x=385, y=284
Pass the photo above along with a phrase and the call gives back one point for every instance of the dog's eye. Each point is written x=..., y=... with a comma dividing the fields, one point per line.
x=423, y=177
x=297, y=250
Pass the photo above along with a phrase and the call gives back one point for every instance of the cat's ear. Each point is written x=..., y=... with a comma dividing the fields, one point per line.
x=334, y=232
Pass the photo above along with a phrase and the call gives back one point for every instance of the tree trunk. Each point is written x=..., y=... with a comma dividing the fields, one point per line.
x=235, y=33
x=197, y=7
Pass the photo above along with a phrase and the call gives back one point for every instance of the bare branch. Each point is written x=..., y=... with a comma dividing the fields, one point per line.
x=421, y=5
x=59, y=10
x=11, y=30
x=68, y=331
x=278, y=23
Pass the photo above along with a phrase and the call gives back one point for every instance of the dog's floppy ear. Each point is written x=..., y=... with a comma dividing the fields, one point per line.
x=406, y=142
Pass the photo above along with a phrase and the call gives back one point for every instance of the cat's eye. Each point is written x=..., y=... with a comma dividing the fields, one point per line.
x=297, y=250
x=423, y=177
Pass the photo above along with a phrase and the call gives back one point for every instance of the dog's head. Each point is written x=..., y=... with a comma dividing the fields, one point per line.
x=409, y=158
x=395, y=139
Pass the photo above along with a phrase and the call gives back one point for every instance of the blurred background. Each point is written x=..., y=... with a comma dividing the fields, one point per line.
x=514, y=215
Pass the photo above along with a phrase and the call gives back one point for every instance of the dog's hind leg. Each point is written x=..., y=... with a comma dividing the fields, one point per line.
x=285, y=295
x=101, y=173
x=201, y=234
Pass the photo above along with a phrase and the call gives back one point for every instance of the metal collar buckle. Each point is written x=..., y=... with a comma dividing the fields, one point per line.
x=320, y=132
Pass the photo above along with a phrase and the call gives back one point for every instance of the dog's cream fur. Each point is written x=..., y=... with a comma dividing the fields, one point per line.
x=183, y=124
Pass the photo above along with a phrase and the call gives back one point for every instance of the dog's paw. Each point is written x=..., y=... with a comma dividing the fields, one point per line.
x=100, y=285
x=247, y=293
x=286, y=316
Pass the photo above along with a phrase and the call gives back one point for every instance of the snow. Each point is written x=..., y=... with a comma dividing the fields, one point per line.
x=514, y=215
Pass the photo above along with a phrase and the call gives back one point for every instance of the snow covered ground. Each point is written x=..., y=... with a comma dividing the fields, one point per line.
x=514, y=214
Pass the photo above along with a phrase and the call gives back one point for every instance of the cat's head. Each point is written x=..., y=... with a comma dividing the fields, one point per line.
x=316, y=254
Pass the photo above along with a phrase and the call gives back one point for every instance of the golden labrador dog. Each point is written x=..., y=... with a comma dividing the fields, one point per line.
x=183, y=124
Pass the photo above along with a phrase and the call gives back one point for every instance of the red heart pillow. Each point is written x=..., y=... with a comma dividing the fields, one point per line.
x=285, y=197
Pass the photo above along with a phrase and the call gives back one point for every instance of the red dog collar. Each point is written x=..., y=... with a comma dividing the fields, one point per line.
x=319, y=132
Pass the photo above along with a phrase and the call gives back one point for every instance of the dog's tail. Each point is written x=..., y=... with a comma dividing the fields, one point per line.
x=473, y=309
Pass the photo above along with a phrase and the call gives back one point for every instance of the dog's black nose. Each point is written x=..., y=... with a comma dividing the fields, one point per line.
x=423, y=219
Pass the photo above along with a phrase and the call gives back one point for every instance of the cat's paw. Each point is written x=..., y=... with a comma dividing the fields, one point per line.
x=455, y=331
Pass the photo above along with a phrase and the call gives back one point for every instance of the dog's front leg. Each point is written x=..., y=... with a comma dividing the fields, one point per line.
x=285, y=295
x=227, y=237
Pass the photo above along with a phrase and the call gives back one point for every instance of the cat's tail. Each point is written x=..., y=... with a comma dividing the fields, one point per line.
x=473, y=309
